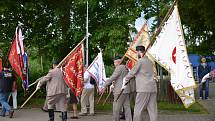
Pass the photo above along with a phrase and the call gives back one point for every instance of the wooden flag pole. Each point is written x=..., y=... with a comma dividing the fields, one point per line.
x=28, y=98
x=59, y=65
x=35, y=82
x=121, y=91
x=107, y=98
x=153, y=37
x=100, y=97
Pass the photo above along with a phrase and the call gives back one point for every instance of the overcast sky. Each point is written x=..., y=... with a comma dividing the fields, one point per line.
x=140, y=21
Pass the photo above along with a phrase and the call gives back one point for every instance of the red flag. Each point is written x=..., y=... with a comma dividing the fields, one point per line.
x=0, y=65
x=130, y=64
x=15, y=60
x=73, y=70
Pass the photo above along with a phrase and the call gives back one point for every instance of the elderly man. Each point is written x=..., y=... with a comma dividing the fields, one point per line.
x=117, y=76
x=56, y=91
x=146, y=87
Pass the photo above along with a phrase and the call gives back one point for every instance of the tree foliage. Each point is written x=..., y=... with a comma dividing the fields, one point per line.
x=199, y=21
x=53, y=27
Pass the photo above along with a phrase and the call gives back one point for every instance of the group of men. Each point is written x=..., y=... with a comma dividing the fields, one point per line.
x=146, y=90
x=122, y=79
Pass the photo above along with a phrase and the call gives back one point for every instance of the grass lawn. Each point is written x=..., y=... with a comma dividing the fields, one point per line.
x=35, y=102
x=166, y=108
x=195, y=108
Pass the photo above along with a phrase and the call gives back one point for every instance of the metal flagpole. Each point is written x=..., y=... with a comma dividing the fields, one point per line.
x=87, y=63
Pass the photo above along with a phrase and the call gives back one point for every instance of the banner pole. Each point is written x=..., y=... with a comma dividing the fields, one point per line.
x=28, y=98
x=58, y=66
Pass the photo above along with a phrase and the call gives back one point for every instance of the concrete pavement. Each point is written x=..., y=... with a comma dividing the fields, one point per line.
x=38, y=115
x=35, y=114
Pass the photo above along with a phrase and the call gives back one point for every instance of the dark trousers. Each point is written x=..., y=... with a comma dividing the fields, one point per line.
x=204, y=86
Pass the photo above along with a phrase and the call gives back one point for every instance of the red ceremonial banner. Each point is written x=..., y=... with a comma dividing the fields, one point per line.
x=73, y=70
x=0, y=65
x=15, y=60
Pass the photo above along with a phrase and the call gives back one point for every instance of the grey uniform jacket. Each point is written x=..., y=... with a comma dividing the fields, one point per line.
x=55, y=82
x=117, y=76
x=132, y=85
x=143, y=70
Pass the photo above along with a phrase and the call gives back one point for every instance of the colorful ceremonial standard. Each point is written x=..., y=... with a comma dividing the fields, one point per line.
x=73, y=70
x=169, y=50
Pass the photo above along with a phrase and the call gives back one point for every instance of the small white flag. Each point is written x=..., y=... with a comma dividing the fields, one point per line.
x=19, y=41
x=97, y=71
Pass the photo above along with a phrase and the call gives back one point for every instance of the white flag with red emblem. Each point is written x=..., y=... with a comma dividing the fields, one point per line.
x=169, y=50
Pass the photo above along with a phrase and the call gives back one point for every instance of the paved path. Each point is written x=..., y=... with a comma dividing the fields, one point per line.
x=37, y=115
x=209, y=105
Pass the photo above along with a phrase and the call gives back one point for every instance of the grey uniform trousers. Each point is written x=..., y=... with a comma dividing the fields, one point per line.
x=59, y=100
x=123, y=101
x=146, y=100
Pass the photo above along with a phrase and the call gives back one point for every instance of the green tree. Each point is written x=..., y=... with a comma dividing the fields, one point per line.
x=52, y=28
x=199, y=21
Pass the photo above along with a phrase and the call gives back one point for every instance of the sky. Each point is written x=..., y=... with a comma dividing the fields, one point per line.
x=140, y=22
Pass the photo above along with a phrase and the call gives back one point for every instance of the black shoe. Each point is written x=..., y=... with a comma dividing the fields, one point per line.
x=122, y=117
x=11, y=114
x=64, y=116
x=51, y=114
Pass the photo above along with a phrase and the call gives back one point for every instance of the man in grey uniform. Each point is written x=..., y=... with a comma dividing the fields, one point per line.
x=117, y=76
x=146, y=87
x=56, y=91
